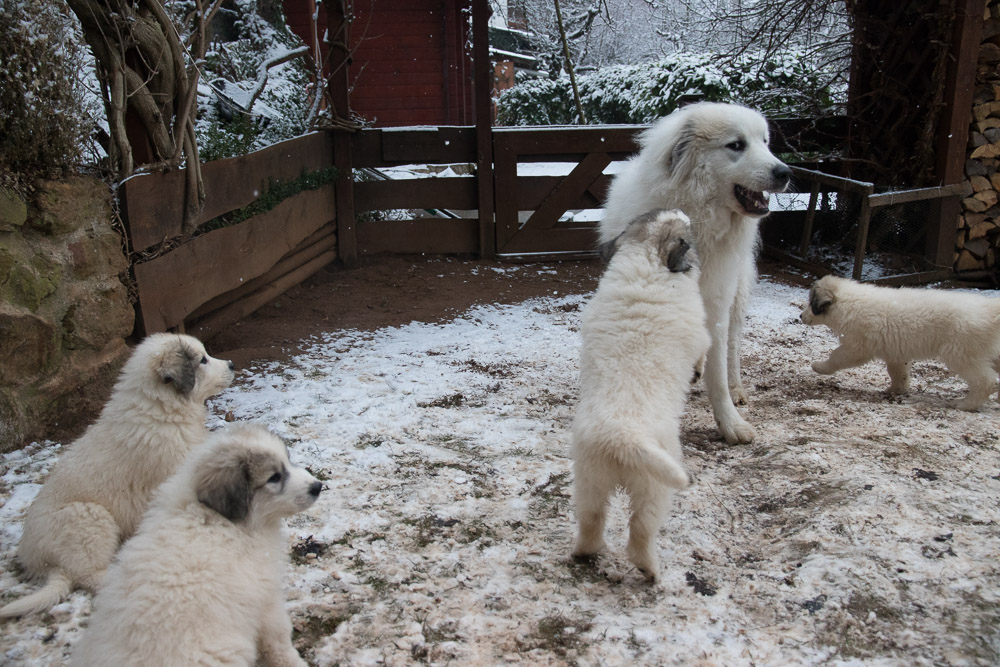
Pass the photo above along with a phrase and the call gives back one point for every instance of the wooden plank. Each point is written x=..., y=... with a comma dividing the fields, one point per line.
x=507, y=190
x=578, y=239
x=321, y=241
x=420, y=193
x=153, y=204
x=427, y=235
x=445, y=145
x=172, y=286
x=532, y=191
x=920, y=194
x=567, y=192
x=483, y=90
x=430, y=144
x=235, y=312
x=572, y=140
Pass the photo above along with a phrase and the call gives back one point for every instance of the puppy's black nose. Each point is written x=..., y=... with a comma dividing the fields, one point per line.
x=781, y=175
x=232, y=366
x=315, y=488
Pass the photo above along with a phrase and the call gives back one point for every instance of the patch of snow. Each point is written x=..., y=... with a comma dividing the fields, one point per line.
x=858, y=529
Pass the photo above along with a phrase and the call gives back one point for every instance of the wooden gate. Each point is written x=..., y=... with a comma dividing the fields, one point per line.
x=531, y=209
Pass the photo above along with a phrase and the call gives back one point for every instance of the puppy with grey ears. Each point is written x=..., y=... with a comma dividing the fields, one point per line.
x=643, y=332
x=200, y=583
x=96, y=494
x=899, y=325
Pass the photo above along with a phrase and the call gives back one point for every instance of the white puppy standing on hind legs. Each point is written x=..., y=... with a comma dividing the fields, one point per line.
x=899, y=325
x=200, y=583
x=643, y=332
x=712, y=161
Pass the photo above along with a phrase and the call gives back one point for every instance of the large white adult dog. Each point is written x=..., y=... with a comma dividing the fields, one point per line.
x=200, y=583
x=711, y=161
x=643, y=332
x=900, y=325
x=96, y=494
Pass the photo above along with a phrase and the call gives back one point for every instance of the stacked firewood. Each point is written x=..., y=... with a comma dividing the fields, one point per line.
x=979, y=227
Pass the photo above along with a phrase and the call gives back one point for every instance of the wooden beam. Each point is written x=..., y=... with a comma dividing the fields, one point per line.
x=483, y=89
x=953, y=134
x=338, y=38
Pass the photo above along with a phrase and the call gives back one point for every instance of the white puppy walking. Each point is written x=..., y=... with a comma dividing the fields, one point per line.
x=96, y=494
x=899, y=325
x=200, y=583
x=711, y=161
x=643, y=332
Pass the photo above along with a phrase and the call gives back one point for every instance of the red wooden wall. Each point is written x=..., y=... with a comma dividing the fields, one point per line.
x=410, y=64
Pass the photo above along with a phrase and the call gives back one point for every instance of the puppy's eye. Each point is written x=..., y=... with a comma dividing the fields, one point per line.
x=204, y=360
x=739, y=145
x=274, y=479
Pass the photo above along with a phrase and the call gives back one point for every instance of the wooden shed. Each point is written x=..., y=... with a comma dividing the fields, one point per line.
x=410, y=64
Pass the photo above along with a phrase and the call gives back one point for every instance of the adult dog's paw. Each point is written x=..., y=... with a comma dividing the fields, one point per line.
x=822, y=367
x=738, y=432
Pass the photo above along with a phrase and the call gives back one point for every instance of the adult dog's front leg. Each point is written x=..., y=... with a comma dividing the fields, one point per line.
x=737, y=316
x=732, y=426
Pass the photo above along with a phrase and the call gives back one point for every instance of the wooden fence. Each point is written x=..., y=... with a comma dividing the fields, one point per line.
x=219, y=276
x=229, y=269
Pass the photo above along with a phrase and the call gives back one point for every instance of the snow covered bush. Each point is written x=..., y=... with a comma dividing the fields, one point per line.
x=783, y=85
x=47, y=113
x=230, y=122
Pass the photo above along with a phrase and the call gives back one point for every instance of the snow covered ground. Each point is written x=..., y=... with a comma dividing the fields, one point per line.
x=858, y=529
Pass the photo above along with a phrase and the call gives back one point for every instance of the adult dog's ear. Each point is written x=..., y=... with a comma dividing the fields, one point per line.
x=224, y=484
x=674, y=255
x=178, y=366
x=820, y=299
x=681, y=151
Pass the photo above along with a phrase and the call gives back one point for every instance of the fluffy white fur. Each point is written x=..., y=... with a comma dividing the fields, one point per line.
x=200, y=583
x=96, y=494
x=900, y=325
x=711, y=161
x=643, y=332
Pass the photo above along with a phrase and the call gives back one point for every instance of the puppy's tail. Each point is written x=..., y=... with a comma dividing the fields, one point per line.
x=56, y=587
x=649, y=456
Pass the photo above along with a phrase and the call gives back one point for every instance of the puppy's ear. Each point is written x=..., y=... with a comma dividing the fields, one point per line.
x=607, y=249
x=674, y=255
x=178, y=366
x=224, y=484
x=820, y=299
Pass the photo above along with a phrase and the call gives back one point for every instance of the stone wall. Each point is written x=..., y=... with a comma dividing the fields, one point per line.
x=64, y=313
x=979, y=227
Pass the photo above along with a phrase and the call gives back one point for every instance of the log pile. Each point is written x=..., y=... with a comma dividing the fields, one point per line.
x=979, y=227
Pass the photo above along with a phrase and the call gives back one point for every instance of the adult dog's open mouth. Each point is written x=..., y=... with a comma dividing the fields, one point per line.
x=753, y=202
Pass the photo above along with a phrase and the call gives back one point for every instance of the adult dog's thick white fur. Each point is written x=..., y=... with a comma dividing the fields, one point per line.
x=900, y=325
x=711, y=161
x=96, y=494
x=643, y=332
x=200, y=583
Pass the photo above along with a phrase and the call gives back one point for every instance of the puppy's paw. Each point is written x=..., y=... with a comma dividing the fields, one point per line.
x=822, y=367
x=898, y=389
x=739, y=395
x=738, y=432
x=969, y=405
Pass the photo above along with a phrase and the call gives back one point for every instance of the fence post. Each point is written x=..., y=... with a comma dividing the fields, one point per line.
x=953, y=135
x=483, y=84
x=340, y=59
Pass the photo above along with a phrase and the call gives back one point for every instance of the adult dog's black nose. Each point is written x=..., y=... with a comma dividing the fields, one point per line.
x=781, y=175
x=315, y=488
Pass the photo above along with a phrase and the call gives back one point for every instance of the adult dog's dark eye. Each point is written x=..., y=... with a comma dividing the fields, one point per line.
x=204, y=360
x=739, y=146
x=275, y=478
